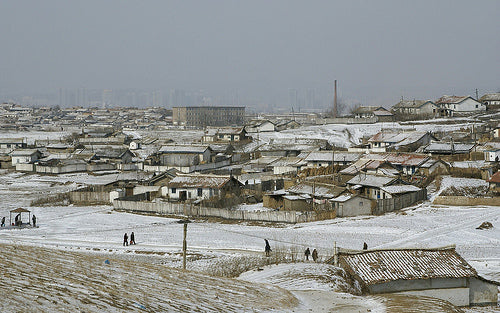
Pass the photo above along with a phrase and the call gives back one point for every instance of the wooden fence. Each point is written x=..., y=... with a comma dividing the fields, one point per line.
x=172, y=208
x=397, y=203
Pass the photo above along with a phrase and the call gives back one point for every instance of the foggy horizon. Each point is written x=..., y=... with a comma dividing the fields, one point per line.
x=254, y=53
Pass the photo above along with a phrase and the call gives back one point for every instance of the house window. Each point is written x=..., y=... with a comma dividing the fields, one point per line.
x=360, y=203
x=200, y=192
x=174, y=190
x=477, y=106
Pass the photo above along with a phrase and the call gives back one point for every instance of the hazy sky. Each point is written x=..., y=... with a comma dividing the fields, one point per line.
x=377, y=50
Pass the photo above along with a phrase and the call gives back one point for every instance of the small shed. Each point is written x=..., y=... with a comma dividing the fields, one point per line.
x=440, y=273
x=18, y=216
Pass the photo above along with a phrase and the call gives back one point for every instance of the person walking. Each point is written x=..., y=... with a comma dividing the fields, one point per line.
x=132, y=238
x=307, y=253
x=34, y=220
x=125, y=240
x=365, y=246
x=267, y=248
x=3, y=221
x=315, y=255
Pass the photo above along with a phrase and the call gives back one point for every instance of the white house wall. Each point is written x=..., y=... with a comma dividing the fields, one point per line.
x=469, y=105
x=191, y=193
x=456, y=296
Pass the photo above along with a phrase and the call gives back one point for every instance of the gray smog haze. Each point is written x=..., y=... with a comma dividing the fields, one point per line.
x=377, y=50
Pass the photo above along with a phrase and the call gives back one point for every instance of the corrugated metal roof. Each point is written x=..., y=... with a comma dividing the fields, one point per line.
x=374, y=267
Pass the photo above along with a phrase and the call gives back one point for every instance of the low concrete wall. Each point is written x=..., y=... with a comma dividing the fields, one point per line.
x=347, y=120
x=196, y=211
x=466, y=201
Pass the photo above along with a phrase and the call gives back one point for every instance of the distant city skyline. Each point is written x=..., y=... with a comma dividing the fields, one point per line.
x=254, y=53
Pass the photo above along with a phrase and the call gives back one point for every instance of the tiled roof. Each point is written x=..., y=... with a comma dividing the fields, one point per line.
x=199, y=181
x=451, y=99
x=490, y=97
x=326, y=156
x=495, y=178
x=183, y=149
x=375, y=267
x=411, y=103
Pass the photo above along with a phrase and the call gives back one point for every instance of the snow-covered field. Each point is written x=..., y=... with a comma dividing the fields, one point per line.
x=100, y=230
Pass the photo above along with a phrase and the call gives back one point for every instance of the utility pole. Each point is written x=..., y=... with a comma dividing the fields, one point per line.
x=184, y=242
x=335, y=99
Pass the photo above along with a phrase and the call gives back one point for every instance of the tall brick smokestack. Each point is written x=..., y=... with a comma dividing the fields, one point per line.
x=335, y=99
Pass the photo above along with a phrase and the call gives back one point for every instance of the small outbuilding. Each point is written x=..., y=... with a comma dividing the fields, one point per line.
x=439, y=273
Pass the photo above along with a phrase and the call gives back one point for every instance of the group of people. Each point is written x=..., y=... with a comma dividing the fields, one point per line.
x=314, y=254
x=132, y=239
x=18, y=221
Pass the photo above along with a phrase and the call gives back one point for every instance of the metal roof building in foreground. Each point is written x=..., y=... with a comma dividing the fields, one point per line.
x=440, y=273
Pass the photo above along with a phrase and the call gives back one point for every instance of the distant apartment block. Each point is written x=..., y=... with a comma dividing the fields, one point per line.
x=208, y=116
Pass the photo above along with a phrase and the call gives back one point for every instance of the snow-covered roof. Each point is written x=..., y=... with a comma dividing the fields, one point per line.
x=375, y=267
x=437, y=147
x=338, y=156
x=289, y=161
x=11, y=140
x=399, y=138
x=316, y=190
x=24, y=152
x=199, y=181
x=184, y=148
x=343, y=198
x=370, y=180
x=490, y=97
x=411, y=103
x=396, y=189
x=451, y=99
